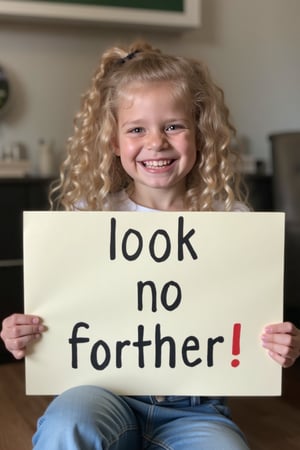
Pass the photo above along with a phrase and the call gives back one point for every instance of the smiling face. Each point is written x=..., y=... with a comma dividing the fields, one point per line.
x=155, y=141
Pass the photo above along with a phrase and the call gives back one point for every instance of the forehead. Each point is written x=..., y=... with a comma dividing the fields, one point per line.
x=160, y=94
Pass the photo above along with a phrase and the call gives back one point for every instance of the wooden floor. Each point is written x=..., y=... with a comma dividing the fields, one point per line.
x=18, y=413
x=269, y=423
x=272, y=423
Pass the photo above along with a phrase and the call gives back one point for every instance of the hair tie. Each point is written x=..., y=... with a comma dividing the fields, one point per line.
x=128, y=57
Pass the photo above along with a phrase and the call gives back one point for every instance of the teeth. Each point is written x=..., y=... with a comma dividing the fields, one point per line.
x=155, y=163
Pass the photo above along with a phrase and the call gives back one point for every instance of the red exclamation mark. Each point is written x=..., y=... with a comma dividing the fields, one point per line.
x=236, y=335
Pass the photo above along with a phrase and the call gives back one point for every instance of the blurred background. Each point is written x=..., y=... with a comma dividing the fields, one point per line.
x=251, y=48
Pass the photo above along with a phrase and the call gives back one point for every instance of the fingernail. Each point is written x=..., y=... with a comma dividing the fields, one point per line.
x=35, y=320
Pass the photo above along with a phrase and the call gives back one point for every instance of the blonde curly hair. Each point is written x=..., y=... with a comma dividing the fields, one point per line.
x=92, y=170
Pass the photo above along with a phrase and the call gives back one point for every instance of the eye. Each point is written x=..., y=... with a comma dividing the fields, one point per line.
x=136, y=130
x=174, y=127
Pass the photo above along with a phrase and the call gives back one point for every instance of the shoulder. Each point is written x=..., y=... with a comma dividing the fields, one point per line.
x=236, y=207
x=240, y=207
x=118, y=201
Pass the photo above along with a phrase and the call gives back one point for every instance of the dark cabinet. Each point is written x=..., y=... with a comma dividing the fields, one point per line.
x=260, y=192
x=261, y=199
x=16, y=195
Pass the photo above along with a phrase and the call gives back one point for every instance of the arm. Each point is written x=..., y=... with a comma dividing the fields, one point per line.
x=20, y=330
x=282, y=340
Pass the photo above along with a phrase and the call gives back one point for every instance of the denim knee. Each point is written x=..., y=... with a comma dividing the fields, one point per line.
x=197, y=434
x=86, y=417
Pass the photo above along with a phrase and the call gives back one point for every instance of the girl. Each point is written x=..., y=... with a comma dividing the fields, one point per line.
x=153, y=134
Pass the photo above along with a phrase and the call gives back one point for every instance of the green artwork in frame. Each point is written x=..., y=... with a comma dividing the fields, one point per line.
x=159, y=14
x=159, y=5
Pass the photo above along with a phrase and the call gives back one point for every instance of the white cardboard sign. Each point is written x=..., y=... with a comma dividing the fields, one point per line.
x=165, y=303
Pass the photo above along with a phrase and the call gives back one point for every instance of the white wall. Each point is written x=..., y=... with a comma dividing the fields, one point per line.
x=251, y=47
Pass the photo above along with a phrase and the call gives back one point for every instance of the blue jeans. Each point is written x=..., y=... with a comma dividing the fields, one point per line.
x=91, y=418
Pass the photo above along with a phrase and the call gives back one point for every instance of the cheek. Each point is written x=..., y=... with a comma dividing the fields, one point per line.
x=129, y=149
x=127, y=156
x=190, y=149
x=192, y=155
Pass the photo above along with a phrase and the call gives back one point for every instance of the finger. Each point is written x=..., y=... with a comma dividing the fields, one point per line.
x=281, y=328
x=276, y=348
x=283, y=351
x=18, y=331
x=287, y=340
x=20, y=344
x=18, y=354
x=282, y=339
x=283, y=361
x=21, y=319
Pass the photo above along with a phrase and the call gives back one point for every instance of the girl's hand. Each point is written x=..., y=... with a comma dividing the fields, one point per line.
x=283, y=342
x=20, y=330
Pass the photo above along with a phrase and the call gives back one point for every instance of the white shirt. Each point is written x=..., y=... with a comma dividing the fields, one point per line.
x=121, y=202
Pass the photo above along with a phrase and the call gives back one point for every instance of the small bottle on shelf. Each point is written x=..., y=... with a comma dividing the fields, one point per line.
x=45, y=158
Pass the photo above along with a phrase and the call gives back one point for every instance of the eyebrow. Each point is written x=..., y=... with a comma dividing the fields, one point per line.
x=142, y=121
x=132, y=122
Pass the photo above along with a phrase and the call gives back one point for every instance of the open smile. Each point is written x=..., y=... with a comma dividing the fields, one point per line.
x=157, y=163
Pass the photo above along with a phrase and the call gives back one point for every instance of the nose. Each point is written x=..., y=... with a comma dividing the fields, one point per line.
x=156, y=140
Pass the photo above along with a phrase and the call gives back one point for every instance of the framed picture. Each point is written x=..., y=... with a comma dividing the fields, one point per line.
x=163, y=14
